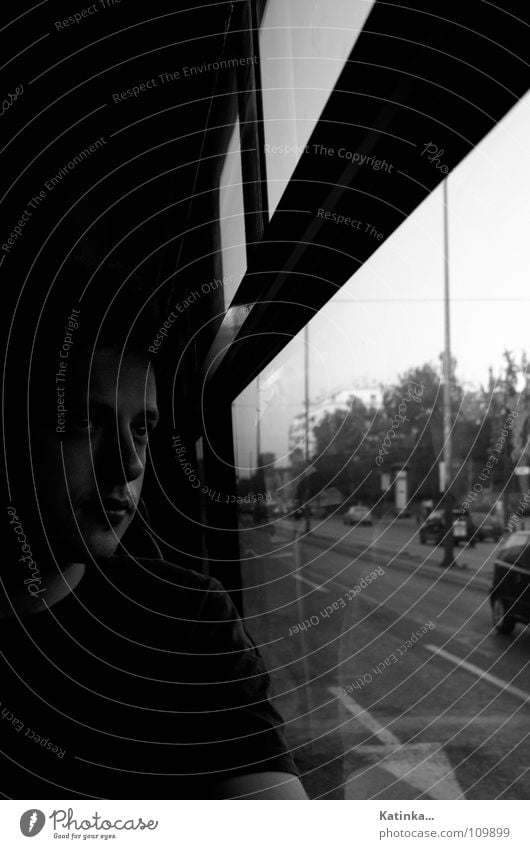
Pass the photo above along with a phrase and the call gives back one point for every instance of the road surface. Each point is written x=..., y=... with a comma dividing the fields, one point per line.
x=398, y=689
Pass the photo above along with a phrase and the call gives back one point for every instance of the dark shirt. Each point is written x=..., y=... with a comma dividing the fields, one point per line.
x=142, y=683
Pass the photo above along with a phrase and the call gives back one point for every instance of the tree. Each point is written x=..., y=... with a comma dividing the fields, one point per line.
x=415, y=401
x=346, y=447
x=506, y=431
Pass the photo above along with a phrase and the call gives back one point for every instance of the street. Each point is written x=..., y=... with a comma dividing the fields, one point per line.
x=396, y=689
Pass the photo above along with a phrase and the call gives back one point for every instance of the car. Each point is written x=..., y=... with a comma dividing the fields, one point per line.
x=488, y=526
x=358, y=515
x=432, y=528
x=510, y=589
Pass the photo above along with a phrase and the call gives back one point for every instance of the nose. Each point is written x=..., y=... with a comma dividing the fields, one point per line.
x=120, y=459
x=132, y=464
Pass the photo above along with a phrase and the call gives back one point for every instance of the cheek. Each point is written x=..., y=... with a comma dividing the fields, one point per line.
x=77, y=470
x=136, y=485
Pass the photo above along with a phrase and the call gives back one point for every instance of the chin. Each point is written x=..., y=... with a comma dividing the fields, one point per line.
x=89, y=545
x=100, y=540
x=101, y=546
x=81, y=541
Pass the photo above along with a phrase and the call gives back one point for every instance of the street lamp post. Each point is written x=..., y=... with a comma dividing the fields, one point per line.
x=448, y=559
x=307, y=509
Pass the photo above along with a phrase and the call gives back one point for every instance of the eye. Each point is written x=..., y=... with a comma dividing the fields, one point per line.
x=83, y=421
x=80, y=422
x=142, y=429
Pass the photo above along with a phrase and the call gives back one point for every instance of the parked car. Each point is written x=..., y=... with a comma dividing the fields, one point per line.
x=488, y=526
x=510, y=589
x=432, y=528
x=358, y=515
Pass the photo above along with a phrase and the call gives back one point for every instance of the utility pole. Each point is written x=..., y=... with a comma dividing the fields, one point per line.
x=307, y=508
x=258, y=475
x=258, y=427
x=448, y=559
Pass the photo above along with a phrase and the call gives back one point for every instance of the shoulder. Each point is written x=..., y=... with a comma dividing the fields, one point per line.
x=163, y=569
x=164, y=583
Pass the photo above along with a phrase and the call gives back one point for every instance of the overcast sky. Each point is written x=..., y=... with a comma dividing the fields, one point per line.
x=389, y=316
x=397, y=313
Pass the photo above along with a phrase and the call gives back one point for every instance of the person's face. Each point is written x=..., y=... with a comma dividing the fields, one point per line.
x=90, y=480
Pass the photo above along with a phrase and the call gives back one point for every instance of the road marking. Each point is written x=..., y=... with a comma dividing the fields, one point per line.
x=382, y=604
x=480, y=673
x=309, y=583
x=424, y=766
x=375, y=601
x=336, y=584
x=366, y=718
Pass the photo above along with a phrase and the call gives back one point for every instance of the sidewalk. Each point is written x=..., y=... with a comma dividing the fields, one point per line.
x=403, y=552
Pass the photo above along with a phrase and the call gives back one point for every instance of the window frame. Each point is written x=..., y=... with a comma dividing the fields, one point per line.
x=272, y=303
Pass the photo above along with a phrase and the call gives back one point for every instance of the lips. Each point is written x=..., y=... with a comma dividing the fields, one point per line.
x=117, y=505
x=114, y=509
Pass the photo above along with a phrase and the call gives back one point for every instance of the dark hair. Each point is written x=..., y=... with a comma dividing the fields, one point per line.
x=68, y=317
x=116, y=309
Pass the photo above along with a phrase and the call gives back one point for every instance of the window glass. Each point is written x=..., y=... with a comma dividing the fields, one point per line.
x=303, y=47
x=232, y=218
x=512, y=555
x=523, y=560
x=350, y=615
x=517, y=550
x=516, y=541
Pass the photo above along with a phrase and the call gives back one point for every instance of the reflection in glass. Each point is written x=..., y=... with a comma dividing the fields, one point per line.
x=348, y=615
x=303, y=47
x=232, y=218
